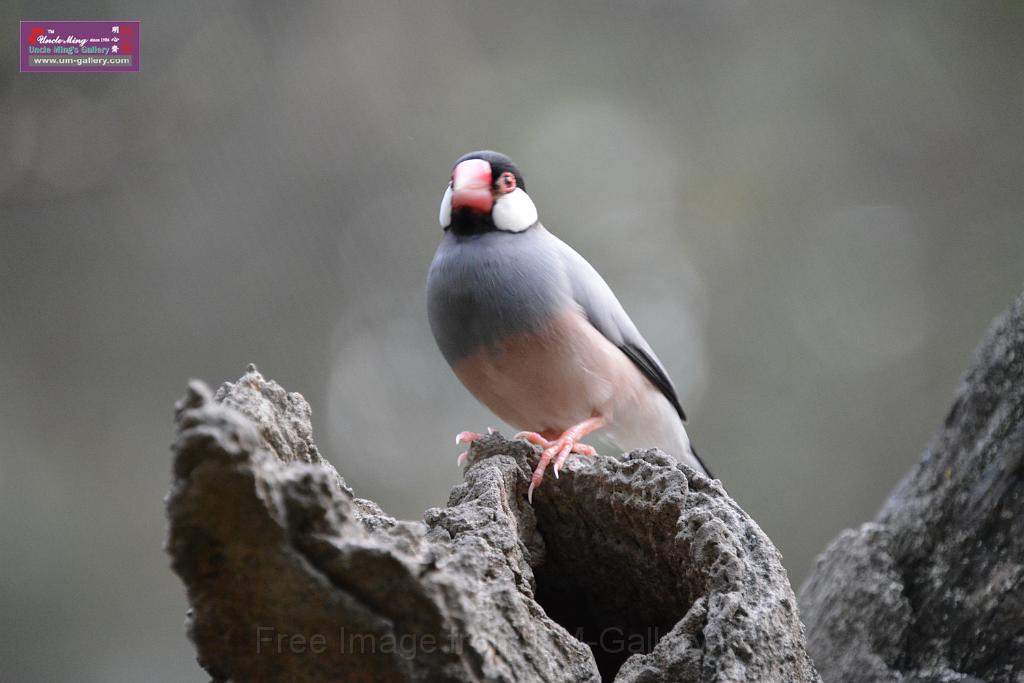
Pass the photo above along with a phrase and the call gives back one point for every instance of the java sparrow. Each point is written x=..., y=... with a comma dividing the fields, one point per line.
x=535, y=333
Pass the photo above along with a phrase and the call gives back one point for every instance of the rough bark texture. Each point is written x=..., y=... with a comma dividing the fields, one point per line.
x=933, y=589
x=634, y=569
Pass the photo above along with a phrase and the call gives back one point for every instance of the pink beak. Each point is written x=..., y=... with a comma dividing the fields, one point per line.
x=471, y=186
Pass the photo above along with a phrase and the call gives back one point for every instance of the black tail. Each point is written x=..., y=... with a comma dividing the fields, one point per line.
x=706, y=470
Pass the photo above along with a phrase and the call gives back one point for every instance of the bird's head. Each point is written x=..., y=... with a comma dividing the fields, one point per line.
x=485, y=193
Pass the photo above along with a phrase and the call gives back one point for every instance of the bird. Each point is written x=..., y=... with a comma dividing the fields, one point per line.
x=535, y=333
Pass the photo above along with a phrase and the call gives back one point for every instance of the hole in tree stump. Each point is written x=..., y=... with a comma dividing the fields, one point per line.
x=615, y=576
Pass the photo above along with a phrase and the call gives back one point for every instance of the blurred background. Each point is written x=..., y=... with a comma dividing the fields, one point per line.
x=813, y=211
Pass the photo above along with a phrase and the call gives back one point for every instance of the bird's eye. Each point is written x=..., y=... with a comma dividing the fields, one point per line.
x=506, y=182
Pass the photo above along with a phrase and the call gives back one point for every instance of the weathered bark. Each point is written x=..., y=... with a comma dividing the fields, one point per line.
x=933, y=589
x=291, y=577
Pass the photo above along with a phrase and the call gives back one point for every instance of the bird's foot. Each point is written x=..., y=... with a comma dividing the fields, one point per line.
x=539, y=440
x=558, y=449
x=468, y=437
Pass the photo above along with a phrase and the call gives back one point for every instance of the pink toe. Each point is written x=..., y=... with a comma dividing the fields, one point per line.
x=534, y=438
x=584, y=449
x=563, y=453
x=466, y=437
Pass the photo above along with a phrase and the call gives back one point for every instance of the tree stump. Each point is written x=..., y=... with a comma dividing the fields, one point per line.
x=625, y=569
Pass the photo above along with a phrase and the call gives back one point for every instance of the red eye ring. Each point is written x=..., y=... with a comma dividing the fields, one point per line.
x=506, y=182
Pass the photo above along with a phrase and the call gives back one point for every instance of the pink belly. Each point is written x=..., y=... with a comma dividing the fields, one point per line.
x=551, y=379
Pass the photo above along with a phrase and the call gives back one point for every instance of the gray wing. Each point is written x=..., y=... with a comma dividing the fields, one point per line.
x=605, y=313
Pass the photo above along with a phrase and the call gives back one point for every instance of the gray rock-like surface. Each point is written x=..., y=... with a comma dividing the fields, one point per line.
x=633, y=570
x=933, y=589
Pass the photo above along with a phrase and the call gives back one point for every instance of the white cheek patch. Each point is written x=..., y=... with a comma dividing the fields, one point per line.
x=446, y=208
x=514, y=212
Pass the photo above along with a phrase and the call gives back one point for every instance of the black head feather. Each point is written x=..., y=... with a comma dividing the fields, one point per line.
x=499, y=164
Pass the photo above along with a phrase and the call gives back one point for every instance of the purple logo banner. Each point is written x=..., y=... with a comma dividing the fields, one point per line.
x=79, y=46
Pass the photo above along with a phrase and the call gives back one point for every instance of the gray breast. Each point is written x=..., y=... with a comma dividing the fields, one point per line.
x=484, y=288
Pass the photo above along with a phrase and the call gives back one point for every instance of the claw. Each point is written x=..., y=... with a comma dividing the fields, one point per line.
x=529, y=493
x=562, y=454
x=463, y=457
